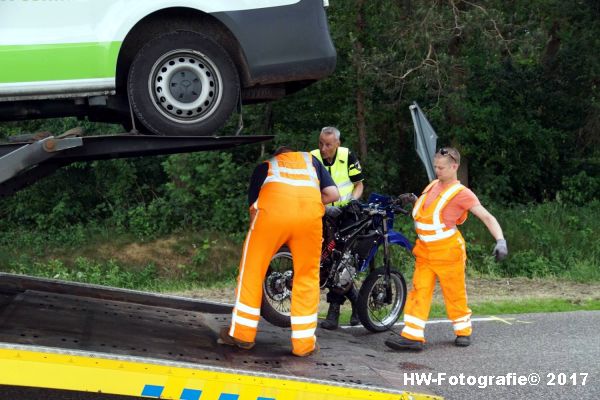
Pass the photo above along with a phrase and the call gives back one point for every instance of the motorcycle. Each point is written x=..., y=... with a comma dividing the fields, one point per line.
x=352, y=237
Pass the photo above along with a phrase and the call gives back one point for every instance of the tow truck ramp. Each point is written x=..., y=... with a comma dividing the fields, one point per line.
x=59, y=339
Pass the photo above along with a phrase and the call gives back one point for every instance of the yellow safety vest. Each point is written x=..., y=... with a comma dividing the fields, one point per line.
x=339, y=173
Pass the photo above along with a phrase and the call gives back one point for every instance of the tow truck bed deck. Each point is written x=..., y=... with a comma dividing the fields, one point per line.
x=37, y=320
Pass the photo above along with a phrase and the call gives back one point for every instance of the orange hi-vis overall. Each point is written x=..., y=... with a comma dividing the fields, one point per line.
x=440, y=253
x=288, y=211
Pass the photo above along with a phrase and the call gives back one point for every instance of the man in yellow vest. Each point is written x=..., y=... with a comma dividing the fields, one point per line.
x=286, y=196
x=346, y=172
x=440, y=253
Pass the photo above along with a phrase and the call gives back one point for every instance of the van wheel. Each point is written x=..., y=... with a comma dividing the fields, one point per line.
x=183, y=83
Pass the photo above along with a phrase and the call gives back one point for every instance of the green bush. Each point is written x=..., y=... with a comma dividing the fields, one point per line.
x=208, y=190
x=580, y=189
x=550, y=239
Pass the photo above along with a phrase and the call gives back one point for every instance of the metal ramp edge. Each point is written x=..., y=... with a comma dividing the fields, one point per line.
x=24, y=163
x=13, y=283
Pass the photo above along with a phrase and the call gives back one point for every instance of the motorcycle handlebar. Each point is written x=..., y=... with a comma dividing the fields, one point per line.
x=376, y=209
x=400, y=210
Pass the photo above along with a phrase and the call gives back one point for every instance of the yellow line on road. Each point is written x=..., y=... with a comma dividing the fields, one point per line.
x=505, y=320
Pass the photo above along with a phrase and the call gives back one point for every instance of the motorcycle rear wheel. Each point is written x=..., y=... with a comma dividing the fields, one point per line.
x=277, y=289
x=376, y=310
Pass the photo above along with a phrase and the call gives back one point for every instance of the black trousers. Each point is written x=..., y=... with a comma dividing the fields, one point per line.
x=336, y=298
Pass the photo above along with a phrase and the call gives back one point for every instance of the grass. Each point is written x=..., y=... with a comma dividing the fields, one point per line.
x=523, y=306
x=518, y=306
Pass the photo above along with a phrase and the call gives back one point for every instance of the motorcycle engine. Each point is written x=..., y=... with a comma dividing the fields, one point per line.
x=345, y=271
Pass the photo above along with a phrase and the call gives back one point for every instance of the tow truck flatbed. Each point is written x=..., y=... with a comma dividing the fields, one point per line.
x=87, y=338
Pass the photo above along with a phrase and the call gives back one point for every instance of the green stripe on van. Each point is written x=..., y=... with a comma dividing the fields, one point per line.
x=32, y=63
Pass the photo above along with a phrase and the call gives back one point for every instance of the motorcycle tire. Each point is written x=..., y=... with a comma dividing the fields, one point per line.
x=375, y=310
x=277, y=289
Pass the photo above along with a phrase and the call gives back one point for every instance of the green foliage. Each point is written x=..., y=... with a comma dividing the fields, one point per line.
x=88, y=271
x=56, y=127
x=202, y=252
x=207, y=189
x=550, y=239
x=580, y=189
x=81, y=192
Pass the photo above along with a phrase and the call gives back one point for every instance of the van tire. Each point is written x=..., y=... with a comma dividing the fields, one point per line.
x=183, y=83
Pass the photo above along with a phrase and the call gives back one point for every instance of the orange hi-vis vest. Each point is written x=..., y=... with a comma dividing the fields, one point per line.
x=428, y=221
x=293, y=172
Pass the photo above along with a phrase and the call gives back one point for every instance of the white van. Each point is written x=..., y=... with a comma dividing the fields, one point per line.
x=179, y=66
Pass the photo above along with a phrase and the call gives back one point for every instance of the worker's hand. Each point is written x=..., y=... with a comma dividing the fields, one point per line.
x=500, y=251
x=407, y=198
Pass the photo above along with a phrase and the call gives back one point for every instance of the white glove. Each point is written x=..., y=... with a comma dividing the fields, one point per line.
x=500, y=251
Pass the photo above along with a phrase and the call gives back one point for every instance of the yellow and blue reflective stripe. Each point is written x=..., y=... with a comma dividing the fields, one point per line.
x=155, y=391
x=51, y=368
x=152, y=391
x=228, y=396
x=190, y=394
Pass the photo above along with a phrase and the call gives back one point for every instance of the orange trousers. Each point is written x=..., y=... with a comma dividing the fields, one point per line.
x=281, y=219
x=444, y=260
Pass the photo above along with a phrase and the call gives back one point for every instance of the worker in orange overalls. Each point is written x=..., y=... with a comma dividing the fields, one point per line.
x=287, y=196
x=440, y=253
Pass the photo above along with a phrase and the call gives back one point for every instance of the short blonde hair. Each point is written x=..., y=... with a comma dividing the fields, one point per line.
x=450, y=152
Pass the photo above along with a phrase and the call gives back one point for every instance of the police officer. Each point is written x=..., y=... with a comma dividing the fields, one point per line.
x=346, y=172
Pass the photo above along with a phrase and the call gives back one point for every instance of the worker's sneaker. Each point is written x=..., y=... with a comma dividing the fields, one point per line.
x=462, y=341
x=310, y=353
x=226, y=339
x=402, y=343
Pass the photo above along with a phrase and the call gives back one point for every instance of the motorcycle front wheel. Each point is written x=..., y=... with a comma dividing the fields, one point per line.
x=277, y=289
x=380, y=304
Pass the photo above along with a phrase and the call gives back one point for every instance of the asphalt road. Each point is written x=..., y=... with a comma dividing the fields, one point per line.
x=561, y=349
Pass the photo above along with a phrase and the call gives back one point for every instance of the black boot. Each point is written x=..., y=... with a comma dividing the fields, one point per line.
x=353, y=297
x=333, y=315
x=354, y=320
x=401, y=343
x=462, y=341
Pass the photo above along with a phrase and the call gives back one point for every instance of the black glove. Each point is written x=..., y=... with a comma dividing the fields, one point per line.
x=407, y=198
x=354, y=206
x=354, y=203
x=500, y=251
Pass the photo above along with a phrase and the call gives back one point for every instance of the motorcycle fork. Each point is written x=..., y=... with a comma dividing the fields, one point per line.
x=386, y=263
